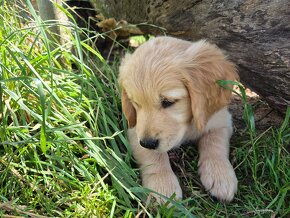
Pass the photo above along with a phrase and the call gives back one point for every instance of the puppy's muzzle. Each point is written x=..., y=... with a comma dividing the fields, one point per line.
x=149, y=143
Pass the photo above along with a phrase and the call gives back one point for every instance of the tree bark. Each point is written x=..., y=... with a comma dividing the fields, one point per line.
x=254, y=33
x=48, y=12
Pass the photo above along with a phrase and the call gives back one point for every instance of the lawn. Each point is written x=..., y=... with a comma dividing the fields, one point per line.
x=63, y=148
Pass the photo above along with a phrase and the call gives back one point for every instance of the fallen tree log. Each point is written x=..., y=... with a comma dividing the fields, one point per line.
x=254, y=33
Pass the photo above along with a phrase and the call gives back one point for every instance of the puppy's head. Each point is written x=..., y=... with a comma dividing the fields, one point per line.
x=169, y=89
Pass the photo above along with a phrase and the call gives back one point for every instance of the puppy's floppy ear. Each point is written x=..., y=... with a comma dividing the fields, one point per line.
x=127, y=106
x=204, y=64
x=128, y=109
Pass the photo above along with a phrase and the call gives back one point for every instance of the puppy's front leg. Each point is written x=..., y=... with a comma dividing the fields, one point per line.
x=216, y=172
x=156, y=171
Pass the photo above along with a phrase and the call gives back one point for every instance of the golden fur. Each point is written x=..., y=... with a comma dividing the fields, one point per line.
x=170, y=95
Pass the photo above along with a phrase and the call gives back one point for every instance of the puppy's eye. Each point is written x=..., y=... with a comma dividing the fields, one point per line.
x=165, y=103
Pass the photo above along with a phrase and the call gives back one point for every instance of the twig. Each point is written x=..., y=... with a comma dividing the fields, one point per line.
x=7, y=206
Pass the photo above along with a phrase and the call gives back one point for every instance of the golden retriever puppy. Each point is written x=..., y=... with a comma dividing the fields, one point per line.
x=170, y=96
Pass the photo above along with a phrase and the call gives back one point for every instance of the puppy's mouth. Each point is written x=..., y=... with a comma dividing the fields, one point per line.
x=173, y=146
x=187, y=142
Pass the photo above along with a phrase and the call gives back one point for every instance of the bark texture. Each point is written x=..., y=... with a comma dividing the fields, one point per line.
x=254, y=33
x=48, y=12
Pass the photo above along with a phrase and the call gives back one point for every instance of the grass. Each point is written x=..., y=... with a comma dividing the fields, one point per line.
x=63, y=147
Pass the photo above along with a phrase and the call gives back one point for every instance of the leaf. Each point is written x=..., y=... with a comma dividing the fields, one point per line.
x=43, y=140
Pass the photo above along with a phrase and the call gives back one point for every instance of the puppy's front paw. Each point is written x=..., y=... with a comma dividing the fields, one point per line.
x=219, y=178
x=165, y=183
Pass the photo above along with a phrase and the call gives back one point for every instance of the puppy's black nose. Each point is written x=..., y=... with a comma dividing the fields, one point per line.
x=149, y=143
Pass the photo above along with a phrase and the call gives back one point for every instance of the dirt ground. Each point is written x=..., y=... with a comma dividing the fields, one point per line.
x=265, y=117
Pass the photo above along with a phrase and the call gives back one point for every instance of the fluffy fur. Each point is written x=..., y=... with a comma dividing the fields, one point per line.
x=169, y=96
